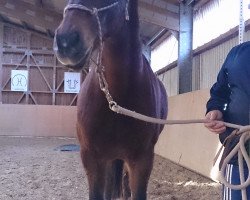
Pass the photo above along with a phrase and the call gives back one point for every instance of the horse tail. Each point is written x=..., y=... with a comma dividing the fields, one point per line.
x=113, y=186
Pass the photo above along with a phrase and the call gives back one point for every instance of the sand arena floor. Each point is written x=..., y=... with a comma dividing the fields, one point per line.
x=31, y=169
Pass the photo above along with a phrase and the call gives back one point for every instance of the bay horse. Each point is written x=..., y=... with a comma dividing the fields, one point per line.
x=117, y=151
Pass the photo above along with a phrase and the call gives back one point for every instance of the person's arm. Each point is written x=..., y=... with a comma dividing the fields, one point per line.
x=219, y=98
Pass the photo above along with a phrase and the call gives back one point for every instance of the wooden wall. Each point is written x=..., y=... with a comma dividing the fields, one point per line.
x=38, y=121
x=191, y=146
x=25, y=50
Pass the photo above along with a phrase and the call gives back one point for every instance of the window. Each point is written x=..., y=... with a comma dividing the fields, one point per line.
x=214, y=19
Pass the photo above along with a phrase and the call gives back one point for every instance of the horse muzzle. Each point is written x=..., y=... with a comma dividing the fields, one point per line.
x=70, y=51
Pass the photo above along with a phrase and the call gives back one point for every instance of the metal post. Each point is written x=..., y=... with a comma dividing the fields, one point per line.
x=1, y=63
x=185, y=56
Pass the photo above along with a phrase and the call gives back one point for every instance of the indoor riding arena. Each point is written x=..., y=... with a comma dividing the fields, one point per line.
x=186, y=43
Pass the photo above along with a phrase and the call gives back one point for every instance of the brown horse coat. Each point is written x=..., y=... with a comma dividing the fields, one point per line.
x=109, y=140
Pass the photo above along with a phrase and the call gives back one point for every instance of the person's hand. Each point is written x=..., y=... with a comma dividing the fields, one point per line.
x=215, y=123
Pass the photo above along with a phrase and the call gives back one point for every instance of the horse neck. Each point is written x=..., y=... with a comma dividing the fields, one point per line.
x=122, y=54
x=122, y=51
x=122, y=59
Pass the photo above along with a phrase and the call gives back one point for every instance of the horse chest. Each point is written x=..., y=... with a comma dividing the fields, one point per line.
x=104, y=130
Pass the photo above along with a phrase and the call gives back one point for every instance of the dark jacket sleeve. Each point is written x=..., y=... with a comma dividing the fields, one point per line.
x=220, y=91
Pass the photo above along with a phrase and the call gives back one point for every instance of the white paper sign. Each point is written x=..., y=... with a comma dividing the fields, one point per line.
x=19, y=80
x=71, y=82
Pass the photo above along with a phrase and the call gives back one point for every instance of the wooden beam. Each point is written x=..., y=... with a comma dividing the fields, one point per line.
x=31, y=14
x=155, y=36
x=160, y=20
x=159, y=10
x=189, y=2
x=175, y=2
x=160, y=39
x=165, y=14
x=46, y=20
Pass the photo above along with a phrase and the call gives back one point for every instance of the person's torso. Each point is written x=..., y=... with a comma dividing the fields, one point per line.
x=238, y=72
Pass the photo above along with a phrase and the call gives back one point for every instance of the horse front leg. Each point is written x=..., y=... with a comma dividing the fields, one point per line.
x=95, y=171
x=139, y=173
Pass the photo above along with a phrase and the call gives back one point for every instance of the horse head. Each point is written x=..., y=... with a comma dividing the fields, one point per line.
x=85, y=25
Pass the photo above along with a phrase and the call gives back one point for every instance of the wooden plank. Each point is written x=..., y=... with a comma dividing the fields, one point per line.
x=20, y=99
x=15, y=50
x=160, y=10
x=161, y=13
x=31, y=14
x=160, y=20
x=9, y=79
x=60, y=84
x=37, y=91
x=174, y=2
x=33, y=98
x=19, y=64
x=39, y=69
x=73, y=100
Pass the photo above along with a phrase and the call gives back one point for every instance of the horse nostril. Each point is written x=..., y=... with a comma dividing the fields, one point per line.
x=65, y=41
x=61, y=41
x=74, y=38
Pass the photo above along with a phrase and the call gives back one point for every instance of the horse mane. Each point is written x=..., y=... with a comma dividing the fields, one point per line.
x=133, y=13
x=134, y=30
x=129, y=30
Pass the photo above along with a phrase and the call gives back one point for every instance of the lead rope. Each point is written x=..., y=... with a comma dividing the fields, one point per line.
x=240, y=147
x=245, y=130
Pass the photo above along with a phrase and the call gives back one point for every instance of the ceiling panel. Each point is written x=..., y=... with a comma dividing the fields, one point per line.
x=155, y=15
